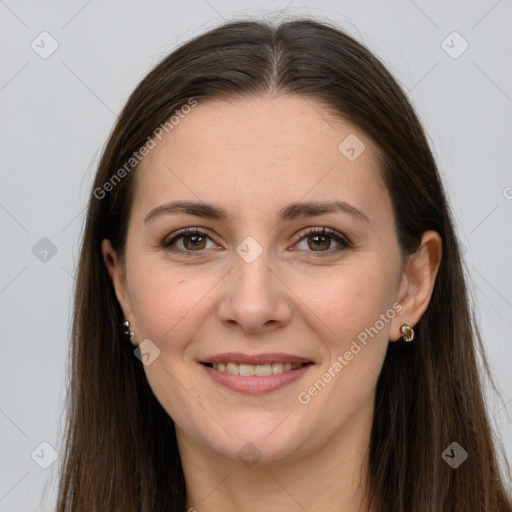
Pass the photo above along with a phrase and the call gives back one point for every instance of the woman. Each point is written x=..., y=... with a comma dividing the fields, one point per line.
x=270, y=309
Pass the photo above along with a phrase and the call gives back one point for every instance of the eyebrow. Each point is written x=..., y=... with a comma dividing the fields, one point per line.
x=287, y=213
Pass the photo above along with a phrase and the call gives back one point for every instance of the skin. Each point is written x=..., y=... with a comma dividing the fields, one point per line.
x=294, y=298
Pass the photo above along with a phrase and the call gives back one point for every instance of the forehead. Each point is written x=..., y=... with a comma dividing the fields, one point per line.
x=260, y=152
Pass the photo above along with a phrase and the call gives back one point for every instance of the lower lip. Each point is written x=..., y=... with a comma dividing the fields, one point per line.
x=255, y=385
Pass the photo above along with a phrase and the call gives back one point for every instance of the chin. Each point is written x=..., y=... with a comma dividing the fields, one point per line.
x=256, y=443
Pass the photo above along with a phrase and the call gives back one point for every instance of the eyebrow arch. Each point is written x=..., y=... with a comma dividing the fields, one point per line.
x=315, y=208
x=290, y=212
x=209, y=211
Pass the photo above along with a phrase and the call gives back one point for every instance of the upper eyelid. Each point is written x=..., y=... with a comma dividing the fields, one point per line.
x=322, y=231
x=187, y=231
x=340, y=238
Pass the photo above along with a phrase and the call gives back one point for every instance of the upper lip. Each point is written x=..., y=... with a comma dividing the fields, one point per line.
x=255, y=359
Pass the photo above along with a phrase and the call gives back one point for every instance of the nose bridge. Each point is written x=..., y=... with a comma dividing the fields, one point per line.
x=254, y=296
x=252, y=278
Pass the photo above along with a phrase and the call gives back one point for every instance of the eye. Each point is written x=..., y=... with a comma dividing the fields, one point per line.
x=319, y=240
x=192, y=240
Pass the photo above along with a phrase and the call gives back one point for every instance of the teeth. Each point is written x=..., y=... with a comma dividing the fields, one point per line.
x=232, y=368
x=261, y=370
x=277, y=367
x=246, y=369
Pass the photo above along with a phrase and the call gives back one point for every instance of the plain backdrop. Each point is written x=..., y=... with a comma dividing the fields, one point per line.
x=56, y=113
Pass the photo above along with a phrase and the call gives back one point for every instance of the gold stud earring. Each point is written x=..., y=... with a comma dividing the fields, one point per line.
x=408, y=332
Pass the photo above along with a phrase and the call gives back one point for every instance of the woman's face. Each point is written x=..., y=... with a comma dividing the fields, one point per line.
x=255, y=284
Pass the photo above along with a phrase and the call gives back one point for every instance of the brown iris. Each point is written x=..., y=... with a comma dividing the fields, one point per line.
x=315, y=245
x=197, y=241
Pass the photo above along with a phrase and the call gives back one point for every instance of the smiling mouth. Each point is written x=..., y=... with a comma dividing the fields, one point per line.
x=260, y=370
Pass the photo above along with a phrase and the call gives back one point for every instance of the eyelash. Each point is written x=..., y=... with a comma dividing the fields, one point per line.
x=326, y=232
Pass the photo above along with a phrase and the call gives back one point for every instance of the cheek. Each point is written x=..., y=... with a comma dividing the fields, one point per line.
x=166, y=304
x=354, y=341
x=350, y=303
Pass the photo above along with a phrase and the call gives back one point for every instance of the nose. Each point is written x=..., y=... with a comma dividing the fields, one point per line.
x=255, y=298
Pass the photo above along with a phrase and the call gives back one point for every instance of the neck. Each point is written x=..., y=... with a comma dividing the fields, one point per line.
x=329, y=477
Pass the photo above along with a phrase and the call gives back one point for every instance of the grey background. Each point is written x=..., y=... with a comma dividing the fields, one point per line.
x=57, y=113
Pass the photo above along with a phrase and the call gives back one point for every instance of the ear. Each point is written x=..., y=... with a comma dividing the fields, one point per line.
x=116, y=270
x=417, y=283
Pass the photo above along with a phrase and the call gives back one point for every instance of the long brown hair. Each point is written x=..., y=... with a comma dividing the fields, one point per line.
x=120, y=447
